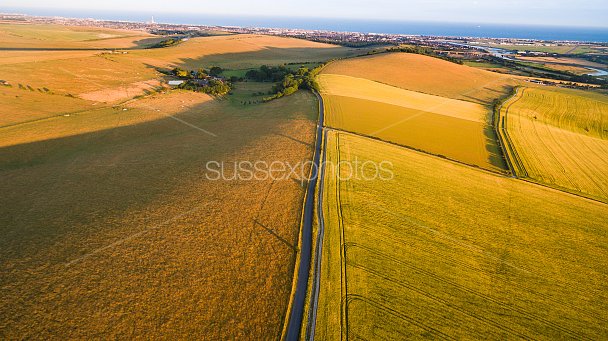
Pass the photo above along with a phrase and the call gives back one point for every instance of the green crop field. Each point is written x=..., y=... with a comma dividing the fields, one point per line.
x=562, y=49
x=447, y=251
x=559, y=137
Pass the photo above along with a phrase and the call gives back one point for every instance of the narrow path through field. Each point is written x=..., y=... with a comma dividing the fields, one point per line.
x=314, y=295
x=297, y=309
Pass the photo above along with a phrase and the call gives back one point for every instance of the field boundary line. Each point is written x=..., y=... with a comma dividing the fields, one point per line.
x=477, y=168
x=514, y=160
x=421, y=151
x=318, y=256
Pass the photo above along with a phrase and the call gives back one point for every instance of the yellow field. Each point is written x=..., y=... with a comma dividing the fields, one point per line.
x=428, y=75
x=456, y=129
x=447, y=251
x=560, y=138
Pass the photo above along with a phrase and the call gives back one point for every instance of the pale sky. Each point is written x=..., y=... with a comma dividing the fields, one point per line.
x=542, y=12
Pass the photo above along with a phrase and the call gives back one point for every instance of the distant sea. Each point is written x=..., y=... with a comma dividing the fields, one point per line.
x=367, y=26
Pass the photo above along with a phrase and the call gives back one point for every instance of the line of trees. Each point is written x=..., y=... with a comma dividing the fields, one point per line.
x=201, y=73
x=423, y=51
x=166, y=43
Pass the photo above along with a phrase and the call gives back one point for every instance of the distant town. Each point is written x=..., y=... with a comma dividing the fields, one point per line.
x=354, y=39
x=573, y=62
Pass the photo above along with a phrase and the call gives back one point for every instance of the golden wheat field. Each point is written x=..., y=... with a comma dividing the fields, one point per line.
x=455, y=129
x=427, y=75
x=559, y=138
x=443, y=250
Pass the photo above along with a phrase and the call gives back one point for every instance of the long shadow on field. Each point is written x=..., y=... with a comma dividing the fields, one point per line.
x=51, y=187
x=295, y=140
x=72, y=212
x=496, y=156
x=274, y=233
x=268, y=56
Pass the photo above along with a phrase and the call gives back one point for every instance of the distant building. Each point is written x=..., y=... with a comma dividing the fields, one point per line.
x=176, y=83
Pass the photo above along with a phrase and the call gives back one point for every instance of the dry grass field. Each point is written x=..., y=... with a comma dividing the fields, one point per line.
x=560, y=138
x=451, y=252
x=111, y=229
x=241, y=51
x=456, y=129
x=427, y=75
x=82, y=80
x=46, y=36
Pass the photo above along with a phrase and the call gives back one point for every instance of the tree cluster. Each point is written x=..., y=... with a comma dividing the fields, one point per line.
x=201, y=73
x=202, y=80
x=303, y=78
x=268, y=73
x=166, y=43
x=214, y=87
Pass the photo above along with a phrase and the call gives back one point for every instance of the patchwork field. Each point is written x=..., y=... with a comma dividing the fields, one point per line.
x=559, y=138
x=562, y=60
x=577, y=70
x=428, y=75
x=456, y=129
x=563, y=49
x=447, y=251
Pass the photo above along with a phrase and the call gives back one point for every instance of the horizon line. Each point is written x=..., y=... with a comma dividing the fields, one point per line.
x=243, y=16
